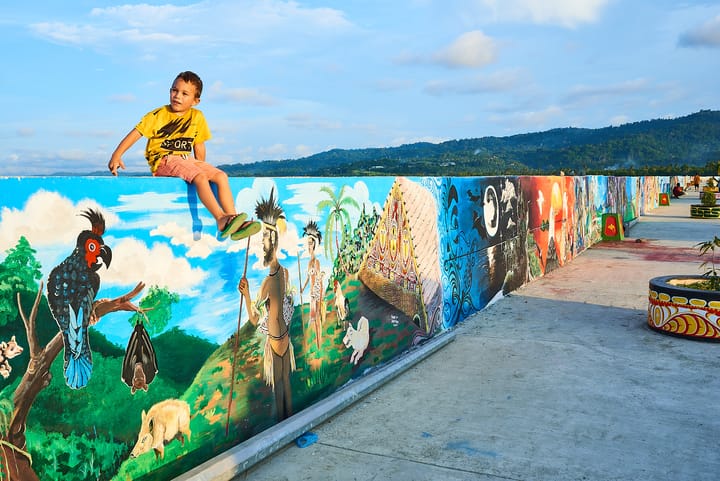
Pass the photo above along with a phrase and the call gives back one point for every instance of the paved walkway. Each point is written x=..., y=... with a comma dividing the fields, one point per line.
x=561, y=380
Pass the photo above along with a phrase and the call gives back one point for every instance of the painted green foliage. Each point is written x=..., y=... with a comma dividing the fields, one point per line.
x=157, y=310
x=19, y=273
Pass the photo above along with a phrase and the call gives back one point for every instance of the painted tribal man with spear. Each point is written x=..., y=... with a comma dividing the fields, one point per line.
x=273, y=309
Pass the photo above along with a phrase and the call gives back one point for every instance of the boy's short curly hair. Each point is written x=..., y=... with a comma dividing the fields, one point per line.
x=192, y=78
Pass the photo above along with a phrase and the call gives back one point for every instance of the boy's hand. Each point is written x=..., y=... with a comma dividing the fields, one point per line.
x=114, y=164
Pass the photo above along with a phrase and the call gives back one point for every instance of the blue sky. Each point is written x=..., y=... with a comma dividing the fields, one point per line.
x=289, y=79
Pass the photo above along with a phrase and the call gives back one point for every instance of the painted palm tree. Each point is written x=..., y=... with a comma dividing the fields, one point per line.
x=338, y=216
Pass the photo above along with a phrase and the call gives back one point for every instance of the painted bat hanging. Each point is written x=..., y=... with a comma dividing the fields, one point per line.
x=140, y=365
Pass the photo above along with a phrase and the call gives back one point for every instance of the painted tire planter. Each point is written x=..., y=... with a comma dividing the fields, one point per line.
x=705, y=211
x=683, y=311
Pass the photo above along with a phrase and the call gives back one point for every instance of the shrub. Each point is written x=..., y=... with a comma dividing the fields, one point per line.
x=708, y=198
x=712, y=271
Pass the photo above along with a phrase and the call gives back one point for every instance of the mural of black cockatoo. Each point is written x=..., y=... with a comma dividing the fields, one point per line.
x=71, y=290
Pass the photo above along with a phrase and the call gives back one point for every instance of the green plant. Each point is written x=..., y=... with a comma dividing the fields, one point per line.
x=707, y=198
x=712, y=272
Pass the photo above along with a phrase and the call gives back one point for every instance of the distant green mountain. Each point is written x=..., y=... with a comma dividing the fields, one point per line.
x=687, y=144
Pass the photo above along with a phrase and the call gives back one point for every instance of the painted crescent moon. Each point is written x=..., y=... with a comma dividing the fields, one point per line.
x=491, y=211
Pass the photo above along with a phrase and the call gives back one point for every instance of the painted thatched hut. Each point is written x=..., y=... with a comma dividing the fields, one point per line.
x=401, y=265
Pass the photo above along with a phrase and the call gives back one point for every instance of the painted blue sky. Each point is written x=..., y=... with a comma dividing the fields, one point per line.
x=157, y=237
x=286, y=79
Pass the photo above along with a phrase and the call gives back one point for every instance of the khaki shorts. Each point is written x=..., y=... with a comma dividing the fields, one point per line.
x=183, y=167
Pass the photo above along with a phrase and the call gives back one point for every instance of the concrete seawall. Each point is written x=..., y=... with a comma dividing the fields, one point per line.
x=378, y=274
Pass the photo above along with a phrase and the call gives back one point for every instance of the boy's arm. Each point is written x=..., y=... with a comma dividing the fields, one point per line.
x=199, y=148
x=116, y=158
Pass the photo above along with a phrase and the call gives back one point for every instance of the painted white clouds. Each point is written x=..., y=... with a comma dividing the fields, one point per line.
x=156, y=265
x=53, y=232
x=46, y=227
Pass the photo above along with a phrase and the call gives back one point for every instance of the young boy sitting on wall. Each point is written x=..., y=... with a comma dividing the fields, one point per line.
x=176, y=135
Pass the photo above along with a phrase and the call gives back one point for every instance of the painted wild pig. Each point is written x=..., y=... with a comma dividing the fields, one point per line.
x=165, y=421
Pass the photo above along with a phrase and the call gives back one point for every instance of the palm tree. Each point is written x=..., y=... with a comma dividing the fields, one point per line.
x=338, y=214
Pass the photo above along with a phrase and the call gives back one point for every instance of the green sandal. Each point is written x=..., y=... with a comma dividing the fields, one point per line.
x=247, y=229
x=232, y=225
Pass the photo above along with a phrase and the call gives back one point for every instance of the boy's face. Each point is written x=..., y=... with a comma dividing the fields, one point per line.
x=183, y=96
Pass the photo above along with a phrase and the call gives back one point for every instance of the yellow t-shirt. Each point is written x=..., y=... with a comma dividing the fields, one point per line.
x=168, y=133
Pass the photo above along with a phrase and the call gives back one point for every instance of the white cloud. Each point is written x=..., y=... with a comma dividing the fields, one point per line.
x=133, y=261
x=203, y=23
x=619, y=120
x=566, y=13
x=392, y=85
x=303, y=150
x=308, y=195
x=143, y=15
x=53, y=233
x=530, y=120
x=705, y=35
x=274, y=150
x=99, y=37
x=470, y=50
x=249, y=96
x=123, y=98
x=246, y=199
x=307, y=121
x=582, y=94
x=481, y=84
x=149, y=202
x=200, y=246
x=412, y=140
x=158, y=214
x=41, y=226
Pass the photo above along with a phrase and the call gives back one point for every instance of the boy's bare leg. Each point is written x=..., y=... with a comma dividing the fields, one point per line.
x=207, y=197
x=225, y=196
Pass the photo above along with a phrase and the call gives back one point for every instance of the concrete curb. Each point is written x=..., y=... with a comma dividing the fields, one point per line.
x=234, y=461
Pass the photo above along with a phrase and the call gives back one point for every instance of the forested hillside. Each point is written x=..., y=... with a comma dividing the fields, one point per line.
x=687, y=144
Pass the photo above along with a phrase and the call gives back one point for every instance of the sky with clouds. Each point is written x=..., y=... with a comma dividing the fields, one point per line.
x=287, y=79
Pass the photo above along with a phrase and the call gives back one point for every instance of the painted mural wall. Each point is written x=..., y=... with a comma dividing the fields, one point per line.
x=135, y=343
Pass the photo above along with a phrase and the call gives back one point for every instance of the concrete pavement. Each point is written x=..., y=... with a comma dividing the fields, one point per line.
x=561, y=380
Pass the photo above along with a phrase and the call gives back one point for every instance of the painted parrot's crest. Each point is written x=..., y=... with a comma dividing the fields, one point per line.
x=71, y=291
